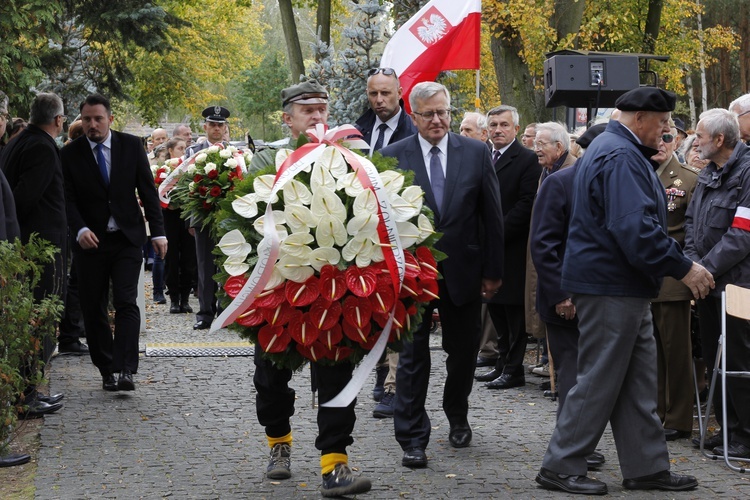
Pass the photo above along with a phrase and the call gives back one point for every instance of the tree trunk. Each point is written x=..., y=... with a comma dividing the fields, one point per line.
x=691, y=96
x=294, y=51
x=744, y=56
x=324, y=21
x=653, y=21
x=567, y=18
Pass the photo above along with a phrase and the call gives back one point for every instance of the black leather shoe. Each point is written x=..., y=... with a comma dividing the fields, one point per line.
x=735, y=449
x=482, y=362
x=594, y=460
x=506, y=381
x=159, y=298
x=488, y=376
x=414, y=458
x=202, y=325
x=109, y=382
x=572, y=484
x=674, y=434
x=51, y=399
x=664, y=480
x=174, y=307
x=711, y=442
x=460, y=435
x=37, y=408
x=14, y=459
x=125, y=382
x=185, y=307
x=76, y=347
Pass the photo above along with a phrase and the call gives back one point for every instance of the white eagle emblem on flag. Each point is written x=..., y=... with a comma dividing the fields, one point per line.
x=433, y=29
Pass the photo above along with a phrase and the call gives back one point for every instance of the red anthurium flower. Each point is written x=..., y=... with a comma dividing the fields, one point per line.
x=252, y=317
x=325, y=314
x=314, y=352
x=411, y=269
x=371, y=341
x=273, y=338
x=332, y=283
x=302, y=294
x=234, y=284
x=270, y=298
x=409, y=288
x=331, y=338
x=357, y=333
x=380, y=318
x=361, y=281
x=427, y=263
x=382, y=299
x=279, y=315
x=340, y=353
x=429, y=290
x=357, y=311
x=302, y=329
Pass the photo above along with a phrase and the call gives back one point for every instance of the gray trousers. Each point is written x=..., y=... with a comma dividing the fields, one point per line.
x=617, y=384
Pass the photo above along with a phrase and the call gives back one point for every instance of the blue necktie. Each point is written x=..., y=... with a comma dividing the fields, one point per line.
x=102, y=163
x=381, y=137
x=437, y=177
x=495, y=156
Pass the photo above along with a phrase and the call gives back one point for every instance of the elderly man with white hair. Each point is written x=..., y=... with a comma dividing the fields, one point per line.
x=741, y=107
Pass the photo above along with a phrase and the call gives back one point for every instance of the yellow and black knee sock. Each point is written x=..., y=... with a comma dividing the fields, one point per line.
x=273, y=441
x=329, y=460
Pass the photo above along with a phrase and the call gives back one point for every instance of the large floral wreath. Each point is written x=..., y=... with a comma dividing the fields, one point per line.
x=334, y=281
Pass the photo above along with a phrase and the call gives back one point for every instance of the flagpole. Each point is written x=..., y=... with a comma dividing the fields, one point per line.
x=477, y=102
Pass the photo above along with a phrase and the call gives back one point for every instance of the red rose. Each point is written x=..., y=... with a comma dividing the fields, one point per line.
x=202, y=190
x=197, y=178
x=207, y=205
x=232, y=174
x=215, y=191
x=213, y=174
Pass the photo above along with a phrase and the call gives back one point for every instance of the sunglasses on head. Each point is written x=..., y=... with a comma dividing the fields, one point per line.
x=385, y=71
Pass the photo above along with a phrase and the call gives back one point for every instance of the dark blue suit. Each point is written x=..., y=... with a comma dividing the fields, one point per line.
x=472, y=225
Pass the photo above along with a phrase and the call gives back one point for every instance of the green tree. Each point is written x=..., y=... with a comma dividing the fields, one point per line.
x=258, y=91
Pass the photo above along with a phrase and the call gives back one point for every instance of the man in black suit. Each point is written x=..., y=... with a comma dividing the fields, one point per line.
x=518, y=172
x=103, y=170
x=31, y=162
x=461, y=189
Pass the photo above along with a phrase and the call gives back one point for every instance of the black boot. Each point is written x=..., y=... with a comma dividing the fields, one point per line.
x=185, y=303
x=174, y=306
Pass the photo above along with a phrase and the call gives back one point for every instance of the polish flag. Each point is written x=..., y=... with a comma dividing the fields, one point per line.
x=742, y=218
x=443, y=35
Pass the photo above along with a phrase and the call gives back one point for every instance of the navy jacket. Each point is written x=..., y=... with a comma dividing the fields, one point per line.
x=617, y=240
x=404, y=128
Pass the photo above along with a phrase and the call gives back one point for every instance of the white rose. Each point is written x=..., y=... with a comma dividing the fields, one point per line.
x=201, y=158
x=154, y=168
x=191, y=168
x=231, y=163
x=173, y=162
x=191, y=187
x=212, y=149
x=209, y=167
x=232, y=149
x=225, y=153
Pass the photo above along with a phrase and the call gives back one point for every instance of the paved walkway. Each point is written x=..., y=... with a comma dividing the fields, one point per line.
x=190, y=431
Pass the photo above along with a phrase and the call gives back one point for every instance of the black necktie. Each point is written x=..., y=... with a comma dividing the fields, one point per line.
x=381, y=137
x=496, y=154
x=437, y=177
x=102, y=163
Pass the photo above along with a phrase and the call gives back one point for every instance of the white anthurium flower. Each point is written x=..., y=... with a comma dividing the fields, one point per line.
x=201, y=158
x=350, y=184
x=235, y=265
x=358, y=249
x=377, y=254
x=413, y=195
x=299, y=218
x=262, y=185
x=279, y=219
x=402, y=209
x=276, y=279
x=246, y=206
x=281, y=157
x=324, y=255
x=408, y=233
x=365, y=225
x=330, y=231
x=392, y=181
x=234, y=243
x=297, y=193
x=212, y=149
x=333, y=161
x=327, y=202
x=297, y=245
x=295, y=268
x=365, y=203
x=225, y=153
x=321, y=178
x=425, y=228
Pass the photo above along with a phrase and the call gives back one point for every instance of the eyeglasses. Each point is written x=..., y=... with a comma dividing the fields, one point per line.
x=429, y=115
x=385, y=71
x=64, y=118
x=743, y=113
x=541, y=144
x=667, y=138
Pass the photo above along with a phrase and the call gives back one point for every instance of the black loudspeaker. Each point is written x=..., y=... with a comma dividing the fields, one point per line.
x=574, y=80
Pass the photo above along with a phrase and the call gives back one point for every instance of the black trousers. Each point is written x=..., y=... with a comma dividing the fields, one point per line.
x=71, y=324
x=461, y=333
x=181, y=263
x=204, y=246
x=275, y=403
x=118, y=260
x=510, y=323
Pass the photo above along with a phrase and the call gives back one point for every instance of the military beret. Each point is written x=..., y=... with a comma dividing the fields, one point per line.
x=216, y=114
x=590, y=134
x=646, y=99
x=307, y=92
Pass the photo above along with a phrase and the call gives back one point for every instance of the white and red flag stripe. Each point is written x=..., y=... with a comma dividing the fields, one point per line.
x=742, y=218
x=443, y=35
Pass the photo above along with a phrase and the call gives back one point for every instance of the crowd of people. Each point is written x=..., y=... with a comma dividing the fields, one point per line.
x=612, y=243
